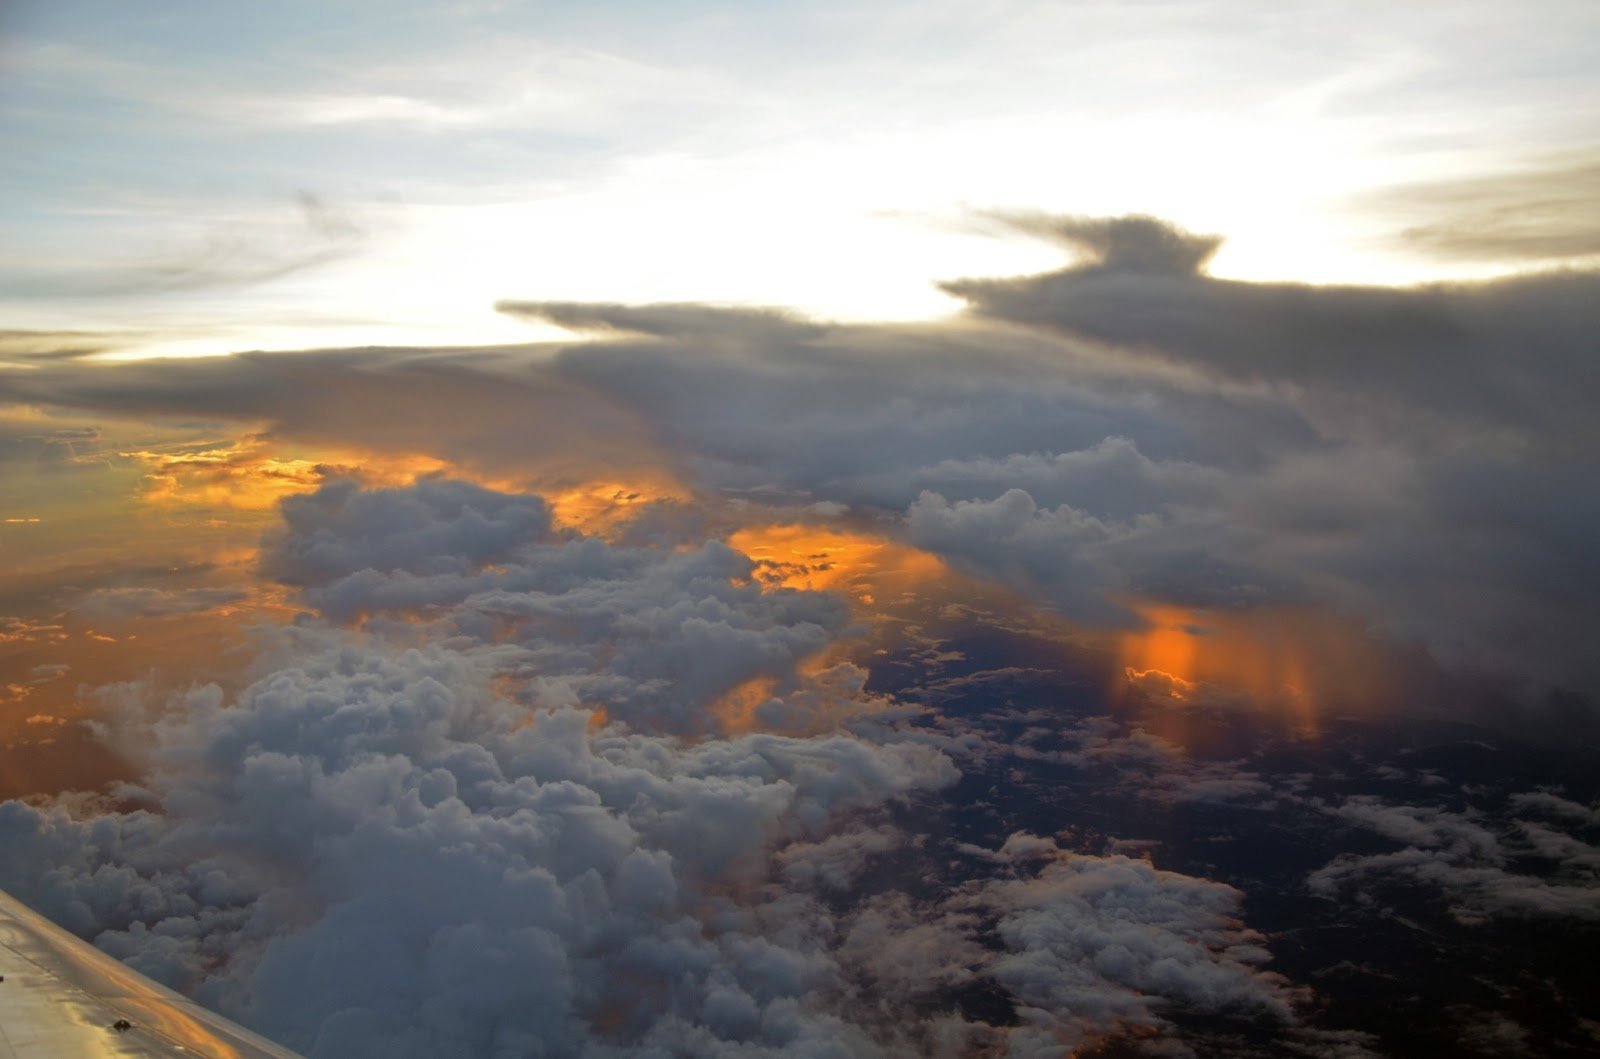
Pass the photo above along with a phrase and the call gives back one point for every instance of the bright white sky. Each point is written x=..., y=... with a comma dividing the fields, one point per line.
x=229, y=175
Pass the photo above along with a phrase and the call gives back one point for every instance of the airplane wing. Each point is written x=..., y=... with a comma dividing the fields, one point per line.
x=62, y=998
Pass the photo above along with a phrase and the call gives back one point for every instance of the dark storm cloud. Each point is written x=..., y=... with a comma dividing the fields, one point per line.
x=397, y=400
x=1118, y=244
x=1421, y=458
x=1422, y=365
x=1549, y=212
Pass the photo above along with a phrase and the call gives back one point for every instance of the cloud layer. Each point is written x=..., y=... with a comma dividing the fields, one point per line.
x=420, y=834
x=509, y=786
x=1420, y=459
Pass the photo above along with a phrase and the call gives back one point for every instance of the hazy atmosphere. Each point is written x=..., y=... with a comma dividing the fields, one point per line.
x=699, y=529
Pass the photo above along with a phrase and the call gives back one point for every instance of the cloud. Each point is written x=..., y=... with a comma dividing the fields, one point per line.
x=31, y=347
x=1480, y=865
x=479, y=801
x=1099, y=936
x=390, y=401
x=1547, y=212
x=398, y=852
x=255, y=247
x=1136, y=243
x=1414, y=458
x=660, y=636
x=150, y=602
x=1424, y=366
x=676, y=321
x=30, y=630
x=436, y=526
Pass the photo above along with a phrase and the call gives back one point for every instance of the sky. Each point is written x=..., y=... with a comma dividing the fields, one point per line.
x=305, y=175
x=741, y=529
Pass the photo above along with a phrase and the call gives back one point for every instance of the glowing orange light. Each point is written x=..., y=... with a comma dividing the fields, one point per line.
x=870, y=569
x=1166, y=645
x=1290, y=660
x=735, y=710
x=245, y=477
x=601, y=507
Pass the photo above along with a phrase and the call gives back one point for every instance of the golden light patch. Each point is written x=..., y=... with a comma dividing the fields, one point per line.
x=26, y=630
x=825, y=690
x=1168, y=644
x=601, y=507
x=1291, y=660
x=735, y=710
x=246, y=476
x=869, y=569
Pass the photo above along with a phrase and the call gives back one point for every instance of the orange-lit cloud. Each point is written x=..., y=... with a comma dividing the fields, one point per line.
x=869, y=569
x=26, y=630
x=736, y=710
x=601, y=506
x=248, y=476
x=1294, y=661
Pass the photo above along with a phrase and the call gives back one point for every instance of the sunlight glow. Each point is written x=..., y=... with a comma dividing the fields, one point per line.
x=1294, y=662
x=871, y=570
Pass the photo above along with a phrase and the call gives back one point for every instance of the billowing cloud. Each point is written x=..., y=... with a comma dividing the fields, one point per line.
x=1100, y=936
x=565, y=754
x=513, y=827
x=1417, y=458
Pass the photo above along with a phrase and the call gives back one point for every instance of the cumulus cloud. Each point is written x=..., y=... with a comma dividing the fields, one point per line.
x=480, y=799
x=1478, y=863
x=401, y=859
x=435, y=527
x=658, y=636
x=1101, y=936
